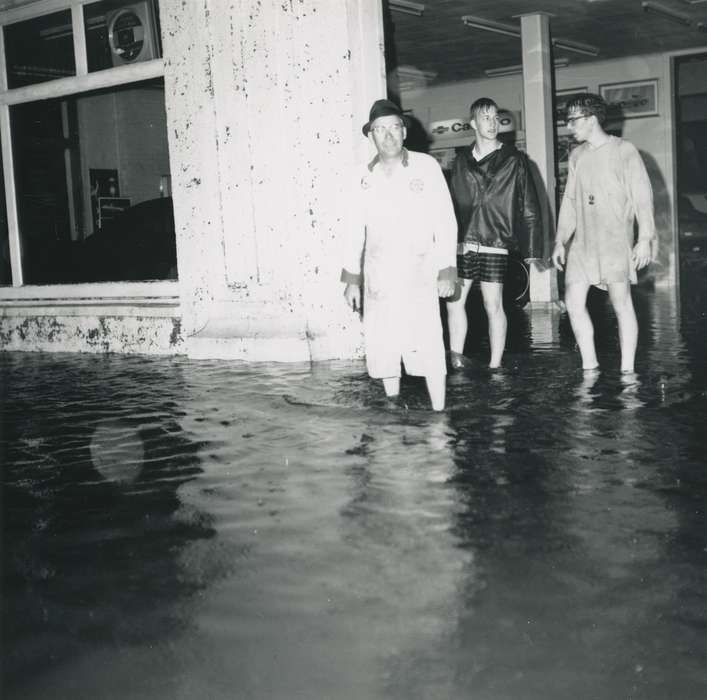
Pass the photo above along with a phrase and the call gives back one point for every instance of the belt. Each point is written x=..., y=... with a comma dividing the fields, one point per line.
x=473, y=247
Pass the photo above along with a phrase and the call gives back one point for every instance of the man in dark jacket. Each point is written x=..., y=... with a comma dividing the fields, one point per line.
x=498, y=213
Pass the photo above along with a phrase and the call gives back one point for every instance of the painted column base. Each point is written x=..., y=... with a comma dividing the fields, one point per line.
x=543, y=282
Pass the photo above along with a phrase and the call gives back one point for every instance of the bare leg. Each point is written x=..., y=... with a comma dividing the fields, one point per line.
x=620, y=296
x=492, y=293
x=391, y=386
x=576, y=302
x=456, y=317
x=436, y=386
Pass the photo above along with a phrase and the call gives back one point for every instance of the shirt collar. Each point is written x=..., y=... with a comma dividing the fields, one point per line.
x=376, y=160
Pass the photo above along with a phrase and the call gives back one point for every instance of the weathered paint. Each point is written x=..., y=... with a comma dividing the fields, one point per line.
x=264, y=105
x=98, y=334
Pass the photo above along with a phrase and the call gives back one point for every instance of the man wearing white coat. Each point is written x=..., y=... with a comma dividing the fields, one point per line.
x=405, y=230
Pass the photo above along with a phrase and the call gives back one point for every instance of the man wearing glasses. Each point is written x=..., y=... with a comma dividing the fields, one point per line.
x=402, y=215
x=607, y=189
x=498, y=212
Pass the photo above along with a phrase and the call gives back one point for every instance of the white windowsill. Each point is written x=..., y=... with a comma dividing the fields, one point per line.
x=102, y=299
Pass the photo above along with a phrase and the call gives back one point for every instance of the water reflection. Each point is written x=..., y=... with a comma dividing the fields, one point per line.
x=179, y=529
x=117, y=451
x=92, y=524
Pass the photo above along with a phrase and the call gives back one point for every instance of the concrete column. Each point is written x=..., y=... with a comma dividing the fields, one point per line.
x=539, y=125
x=265, y=103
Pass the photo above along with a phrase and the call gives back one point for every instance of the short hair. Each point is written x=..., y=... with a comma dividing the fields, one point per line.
x=481, y=105
x=589, y=105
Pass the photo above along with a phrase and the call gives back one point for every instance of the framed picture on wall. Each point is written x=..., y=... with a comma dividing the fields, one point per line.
x=637, y=98
x=562, y=97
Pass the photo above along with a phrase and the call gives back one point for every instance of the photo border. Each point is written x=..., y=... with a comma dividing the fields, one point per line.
x=650, y=83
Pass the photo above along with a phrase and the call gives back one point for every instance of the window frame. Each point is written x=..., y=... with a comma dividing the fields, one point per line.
x=80, y=293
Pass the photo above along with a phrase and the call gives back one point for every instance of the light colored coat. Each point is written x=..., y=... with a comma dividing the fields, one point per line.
x=607, y=189
x=405, y=226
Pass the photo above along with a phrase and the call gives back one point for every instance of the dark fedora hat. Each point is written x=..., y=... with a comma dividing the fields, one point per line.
x=383, y=108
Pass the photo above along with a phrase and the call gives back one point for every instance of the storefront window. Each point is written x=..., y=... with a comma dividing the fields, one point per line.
x=93, y=186
x=121, y=33
x=39, y=49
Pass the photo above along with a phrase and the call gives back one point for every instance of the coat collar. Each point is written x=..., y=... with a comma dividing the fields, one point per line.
x=376, y=160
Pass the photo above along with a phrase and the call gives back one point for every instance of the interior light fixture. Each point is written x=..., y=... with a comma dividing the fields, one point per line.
x=666, y=12
x=411, y=78
x=517, y=69
x=490, y=26
x=503, y=70
x=575, y=47
x=407, y=8
x=694, y=2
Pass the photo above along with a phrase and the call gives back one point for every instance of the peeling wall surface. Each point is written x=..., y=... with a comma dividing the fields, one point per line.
x=150, y=336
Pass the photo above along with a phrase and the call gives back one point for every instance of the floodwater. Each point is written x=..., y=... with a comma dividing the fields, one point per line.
x=179, y=529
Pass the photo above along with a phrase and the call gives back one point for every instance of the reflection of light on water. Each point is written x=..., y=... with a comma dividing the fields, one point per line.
x=544, y=326
x=117, y=451
x=584, y=389
x=629, y=395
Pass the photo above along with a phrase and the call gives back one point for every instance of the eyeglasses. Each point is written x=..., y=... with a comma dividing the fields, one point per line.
x=380, y=130
x=572, y=120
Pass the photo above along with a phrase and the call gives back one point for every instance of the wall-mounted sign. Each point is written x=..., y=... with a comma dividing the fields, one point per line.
x=506, y=121
x=449, y=128
x=132, y=33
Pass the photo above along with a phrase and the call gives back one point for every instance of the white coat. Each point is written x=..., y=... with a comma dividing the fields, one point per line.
x=404, y=225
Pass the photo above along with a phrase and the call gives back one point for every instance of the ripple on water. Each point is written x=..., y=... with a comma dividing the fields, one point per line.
x=214, y=529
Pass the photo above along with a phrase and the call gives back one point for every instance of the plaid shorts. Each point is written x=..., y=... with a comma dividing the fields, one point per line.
x=485, y=267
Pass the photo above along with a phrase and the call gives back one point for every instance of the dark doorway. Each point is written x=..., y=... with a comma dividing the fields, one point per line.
x=691, y=154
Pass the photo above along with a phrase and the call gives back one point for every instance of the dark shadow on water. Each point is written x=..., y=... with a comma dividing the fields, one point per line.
x=92, y=527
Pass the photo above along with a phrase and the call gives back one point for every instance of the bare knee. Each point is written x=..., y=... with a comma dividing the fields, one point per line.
x=620, y=297
x=493, y=299
x=575, y=301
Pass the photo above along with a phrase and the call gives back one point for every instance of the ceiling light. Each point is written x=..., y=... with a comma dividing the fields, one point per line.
x=576, y=47
x=407, y=8
x=666, y=12
x=411, y=78
x=489, y=26
x=504, y=70
x=517, y=69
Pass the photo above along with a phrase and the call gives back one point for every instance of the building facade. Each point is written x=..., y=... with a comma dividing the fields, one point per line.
x=175, y=173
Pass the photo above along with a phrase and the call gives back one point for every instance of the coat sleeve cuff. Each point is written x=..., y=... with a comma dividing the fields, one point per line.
x=448, y=274
x=350, y=277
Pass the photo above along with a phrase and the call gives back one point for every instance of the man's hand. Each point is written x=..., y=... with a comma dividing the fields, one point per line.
x=352, y=294
x=445, y=288
x=641, y=255
x=558, y=256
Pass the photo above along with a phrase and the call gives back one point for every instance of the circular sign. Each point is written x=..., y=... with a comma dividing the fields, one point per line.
x=126, y=35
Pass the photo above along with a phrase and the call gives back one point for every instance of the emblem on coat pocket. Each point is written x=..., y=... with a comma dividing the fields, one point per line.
x=417, y=185
x=591, y=199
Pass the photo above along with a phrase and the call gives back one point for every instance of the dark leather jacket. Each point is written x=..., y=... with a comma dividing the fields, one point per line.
x=496, y=201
